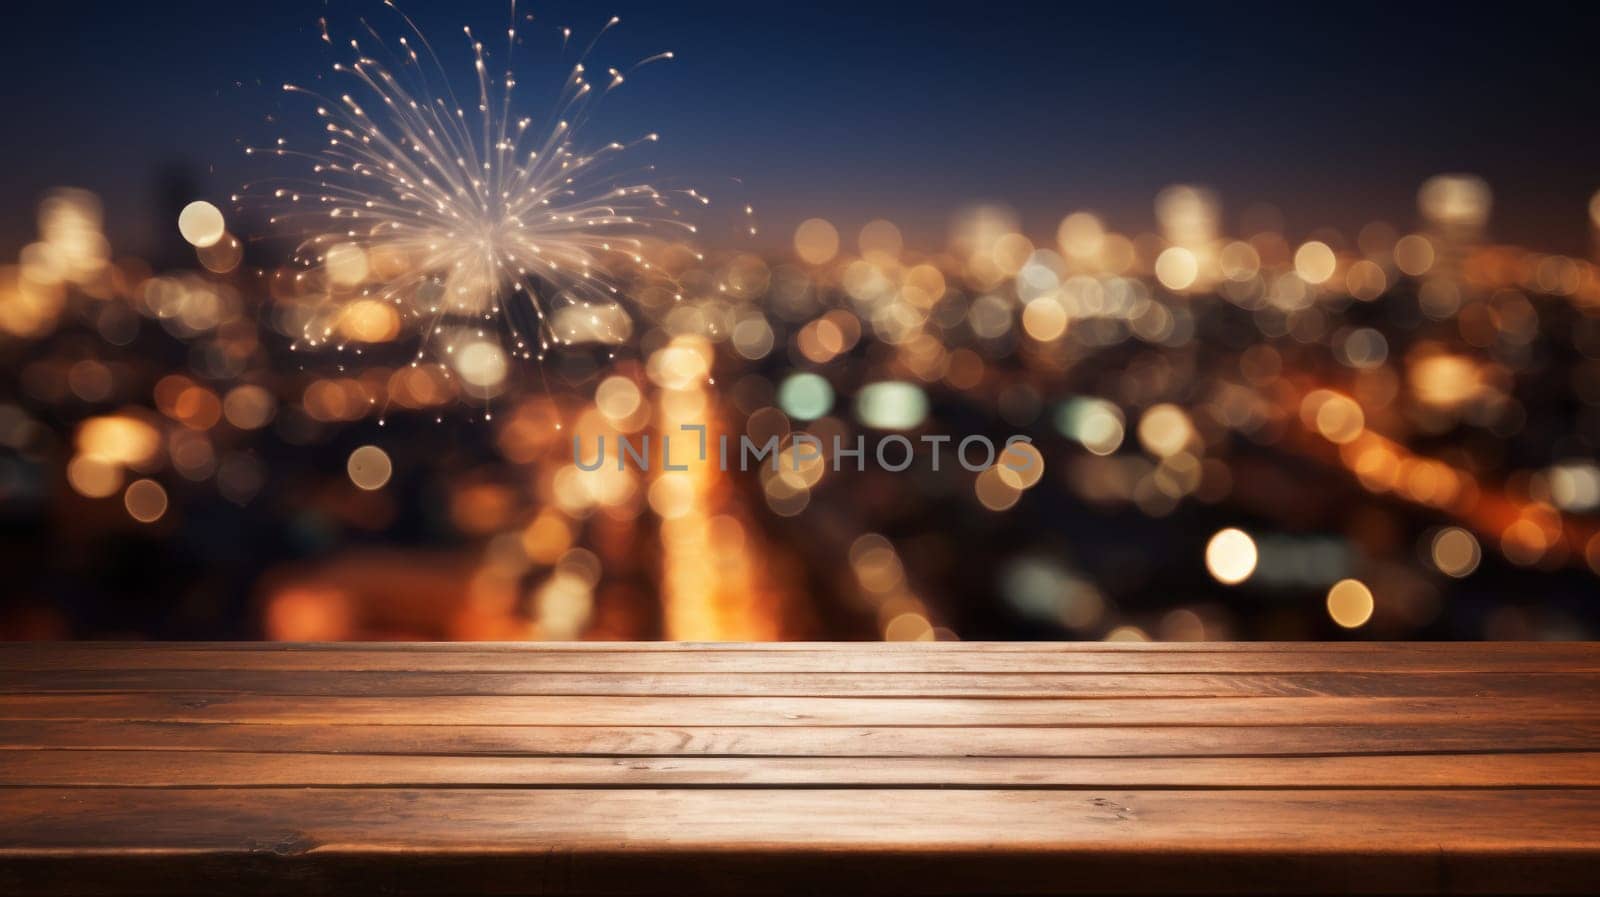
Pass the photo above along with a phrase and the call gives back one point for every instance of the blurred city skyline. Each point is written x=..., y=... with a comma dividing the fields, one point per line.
x=1300, y=314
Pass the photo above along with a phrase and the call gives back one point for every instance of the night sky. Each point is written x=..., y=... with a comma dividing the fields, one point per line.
x=1333, y=113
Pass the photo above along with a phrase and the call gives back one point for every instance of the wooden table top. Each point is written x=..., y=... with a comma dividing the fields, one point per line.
x=798, y=768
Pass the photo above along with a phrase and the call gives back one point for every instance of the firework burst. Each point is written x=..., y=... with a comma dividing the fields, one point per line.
x=461, y=216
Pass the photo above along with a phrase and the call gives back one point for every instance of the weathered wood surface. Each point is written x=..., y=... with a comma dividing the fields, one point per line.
x=948, y=769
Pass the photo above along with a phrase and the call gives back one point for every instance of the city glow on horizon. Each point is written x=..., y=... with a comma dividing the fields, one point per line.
x=1077, y=340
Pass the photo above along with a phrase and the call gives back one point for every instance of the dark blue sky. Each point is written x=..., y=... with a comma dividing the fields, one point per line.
x=1334, y=113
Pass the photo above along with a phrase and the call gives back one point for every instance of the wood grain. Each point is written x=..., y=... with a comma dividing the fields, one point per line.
x=237, y=769
x=552, y=710
x=831, y=741
x=780, y=841
x=366, y=683
x=943, y=769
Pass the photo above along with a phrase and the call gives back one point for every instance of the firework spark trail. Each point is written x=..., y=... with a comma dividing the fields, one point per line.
x=455, y=217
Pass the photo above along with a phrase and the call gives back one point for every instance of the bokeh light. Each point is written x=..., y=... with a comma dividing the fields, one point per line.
x=1231, y=556
x=1455, y=552
x=201, y=224
x=816, y=241
x=892, y=405
x=369, y=467
x=805, y=396
x=1350, y=603
x=145, y=500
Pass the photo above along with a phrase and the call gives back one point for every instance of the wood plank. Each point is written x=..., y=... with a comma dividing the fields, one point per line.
x=741, y=841
x=951, y=769
x=784, y=684
x=148, y=769
x=552, y=710
x=1568, y=658
x=807, y=741
x=801, y=741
